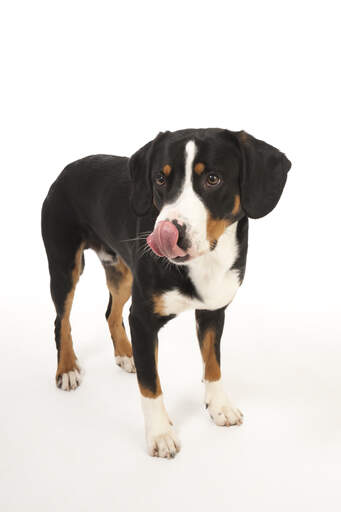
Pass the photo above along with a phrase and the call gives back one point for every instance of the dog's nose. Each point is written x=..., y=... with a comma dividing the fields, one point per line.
x=183, y=241
x=164, y=240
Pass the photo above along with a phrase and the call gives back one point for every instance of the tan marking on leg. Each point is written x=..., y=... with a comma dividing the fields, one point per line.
x=167, y=169
x=199, y=168
x=212, y=368
x=236, y=205
x=120, y=290
x=147, y=392
x=67, y=357
x=216, y=227
x=159, y=307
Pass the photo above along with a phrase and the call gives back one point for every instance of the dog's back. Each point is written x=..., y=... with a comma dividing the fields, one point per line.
x=89, y=201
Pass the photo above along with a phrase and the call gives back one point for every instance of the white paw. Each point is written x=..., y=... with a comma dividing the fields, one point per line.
x=165, y=445
x=219, y=406
x=225, y=415
x=70, y=380
x=161, y=438
x=126, y=363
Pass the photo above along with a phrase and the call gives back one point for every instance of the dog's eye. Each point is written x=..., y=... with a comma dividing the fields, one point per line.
x=212, y=180
x=160, y=180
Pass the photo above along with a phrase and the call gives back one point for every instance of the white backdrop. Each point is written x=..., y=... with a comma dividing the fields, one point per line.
x=83, y=77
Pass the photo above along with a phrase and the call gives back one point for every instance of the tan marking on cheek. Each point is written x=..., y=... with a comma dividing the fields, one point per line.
x=159, y=306
x=167, y=169
x=236, y=205
x=212, y=368
x=216, y=227
x=199, y=168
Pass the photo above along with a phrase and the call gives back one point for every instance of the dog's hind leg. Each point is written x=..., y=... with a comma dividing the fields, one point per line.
x=64, y=248
x=119, y=281
x=65, y=272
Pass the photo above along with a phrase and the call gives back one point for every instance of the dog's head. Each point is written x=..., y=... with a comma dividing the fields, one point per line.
x=201, y=181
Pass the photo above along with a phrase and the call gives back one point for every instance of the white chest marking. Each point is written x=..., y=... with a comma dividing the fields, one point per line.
x=212, y=277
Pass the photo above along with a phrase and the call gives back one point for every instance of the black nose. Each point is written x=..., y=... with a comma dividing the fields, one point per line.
x=183, y=241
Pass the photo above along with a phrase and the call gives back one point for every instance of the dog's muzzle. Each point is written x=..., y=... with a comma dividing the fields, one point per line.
x=164, y=240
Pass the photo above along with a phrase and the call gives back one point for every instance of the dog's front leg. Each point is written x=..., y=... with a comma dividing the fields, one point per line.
x=160, y=435
x=210, y=326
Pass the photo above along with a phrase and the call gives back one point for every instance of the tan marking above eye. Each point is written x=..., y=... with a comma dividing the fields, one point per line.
x=167, y=169
x=243, y=136
x=236, y=205
x=199, y=168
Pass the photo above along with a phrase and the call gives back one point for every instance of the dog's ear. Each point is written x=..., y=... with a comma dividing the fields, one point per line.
x=263, y=175
x=140, y=174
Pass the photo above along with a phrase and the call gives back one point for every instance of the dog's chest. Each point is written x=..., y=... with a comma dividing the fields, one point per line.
x=212, y=275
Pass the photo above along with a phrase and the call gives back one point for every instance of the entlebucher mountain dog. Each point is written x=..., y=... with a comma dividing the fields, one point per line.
x=170, y=227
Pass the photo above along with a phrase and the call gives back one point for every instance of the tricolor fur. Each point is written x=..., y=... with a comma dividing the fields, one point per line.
x=170, y=227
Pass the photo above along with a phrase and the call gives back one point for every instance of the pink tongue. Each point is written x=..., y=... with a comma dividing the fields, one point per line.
x=163, y=240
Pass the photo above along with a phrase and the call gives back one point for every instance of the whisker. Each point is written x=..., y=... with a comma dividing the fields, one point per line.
x=134, y=239
x=146, y=250
x=140, y=236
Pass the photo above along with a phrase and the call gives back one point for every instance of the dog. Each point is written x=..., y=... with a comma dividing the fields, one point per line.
x=170, y=227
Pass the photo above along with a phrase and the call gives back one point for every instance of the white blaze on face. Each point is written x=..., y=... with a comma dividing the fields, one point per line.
x=188, y=208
